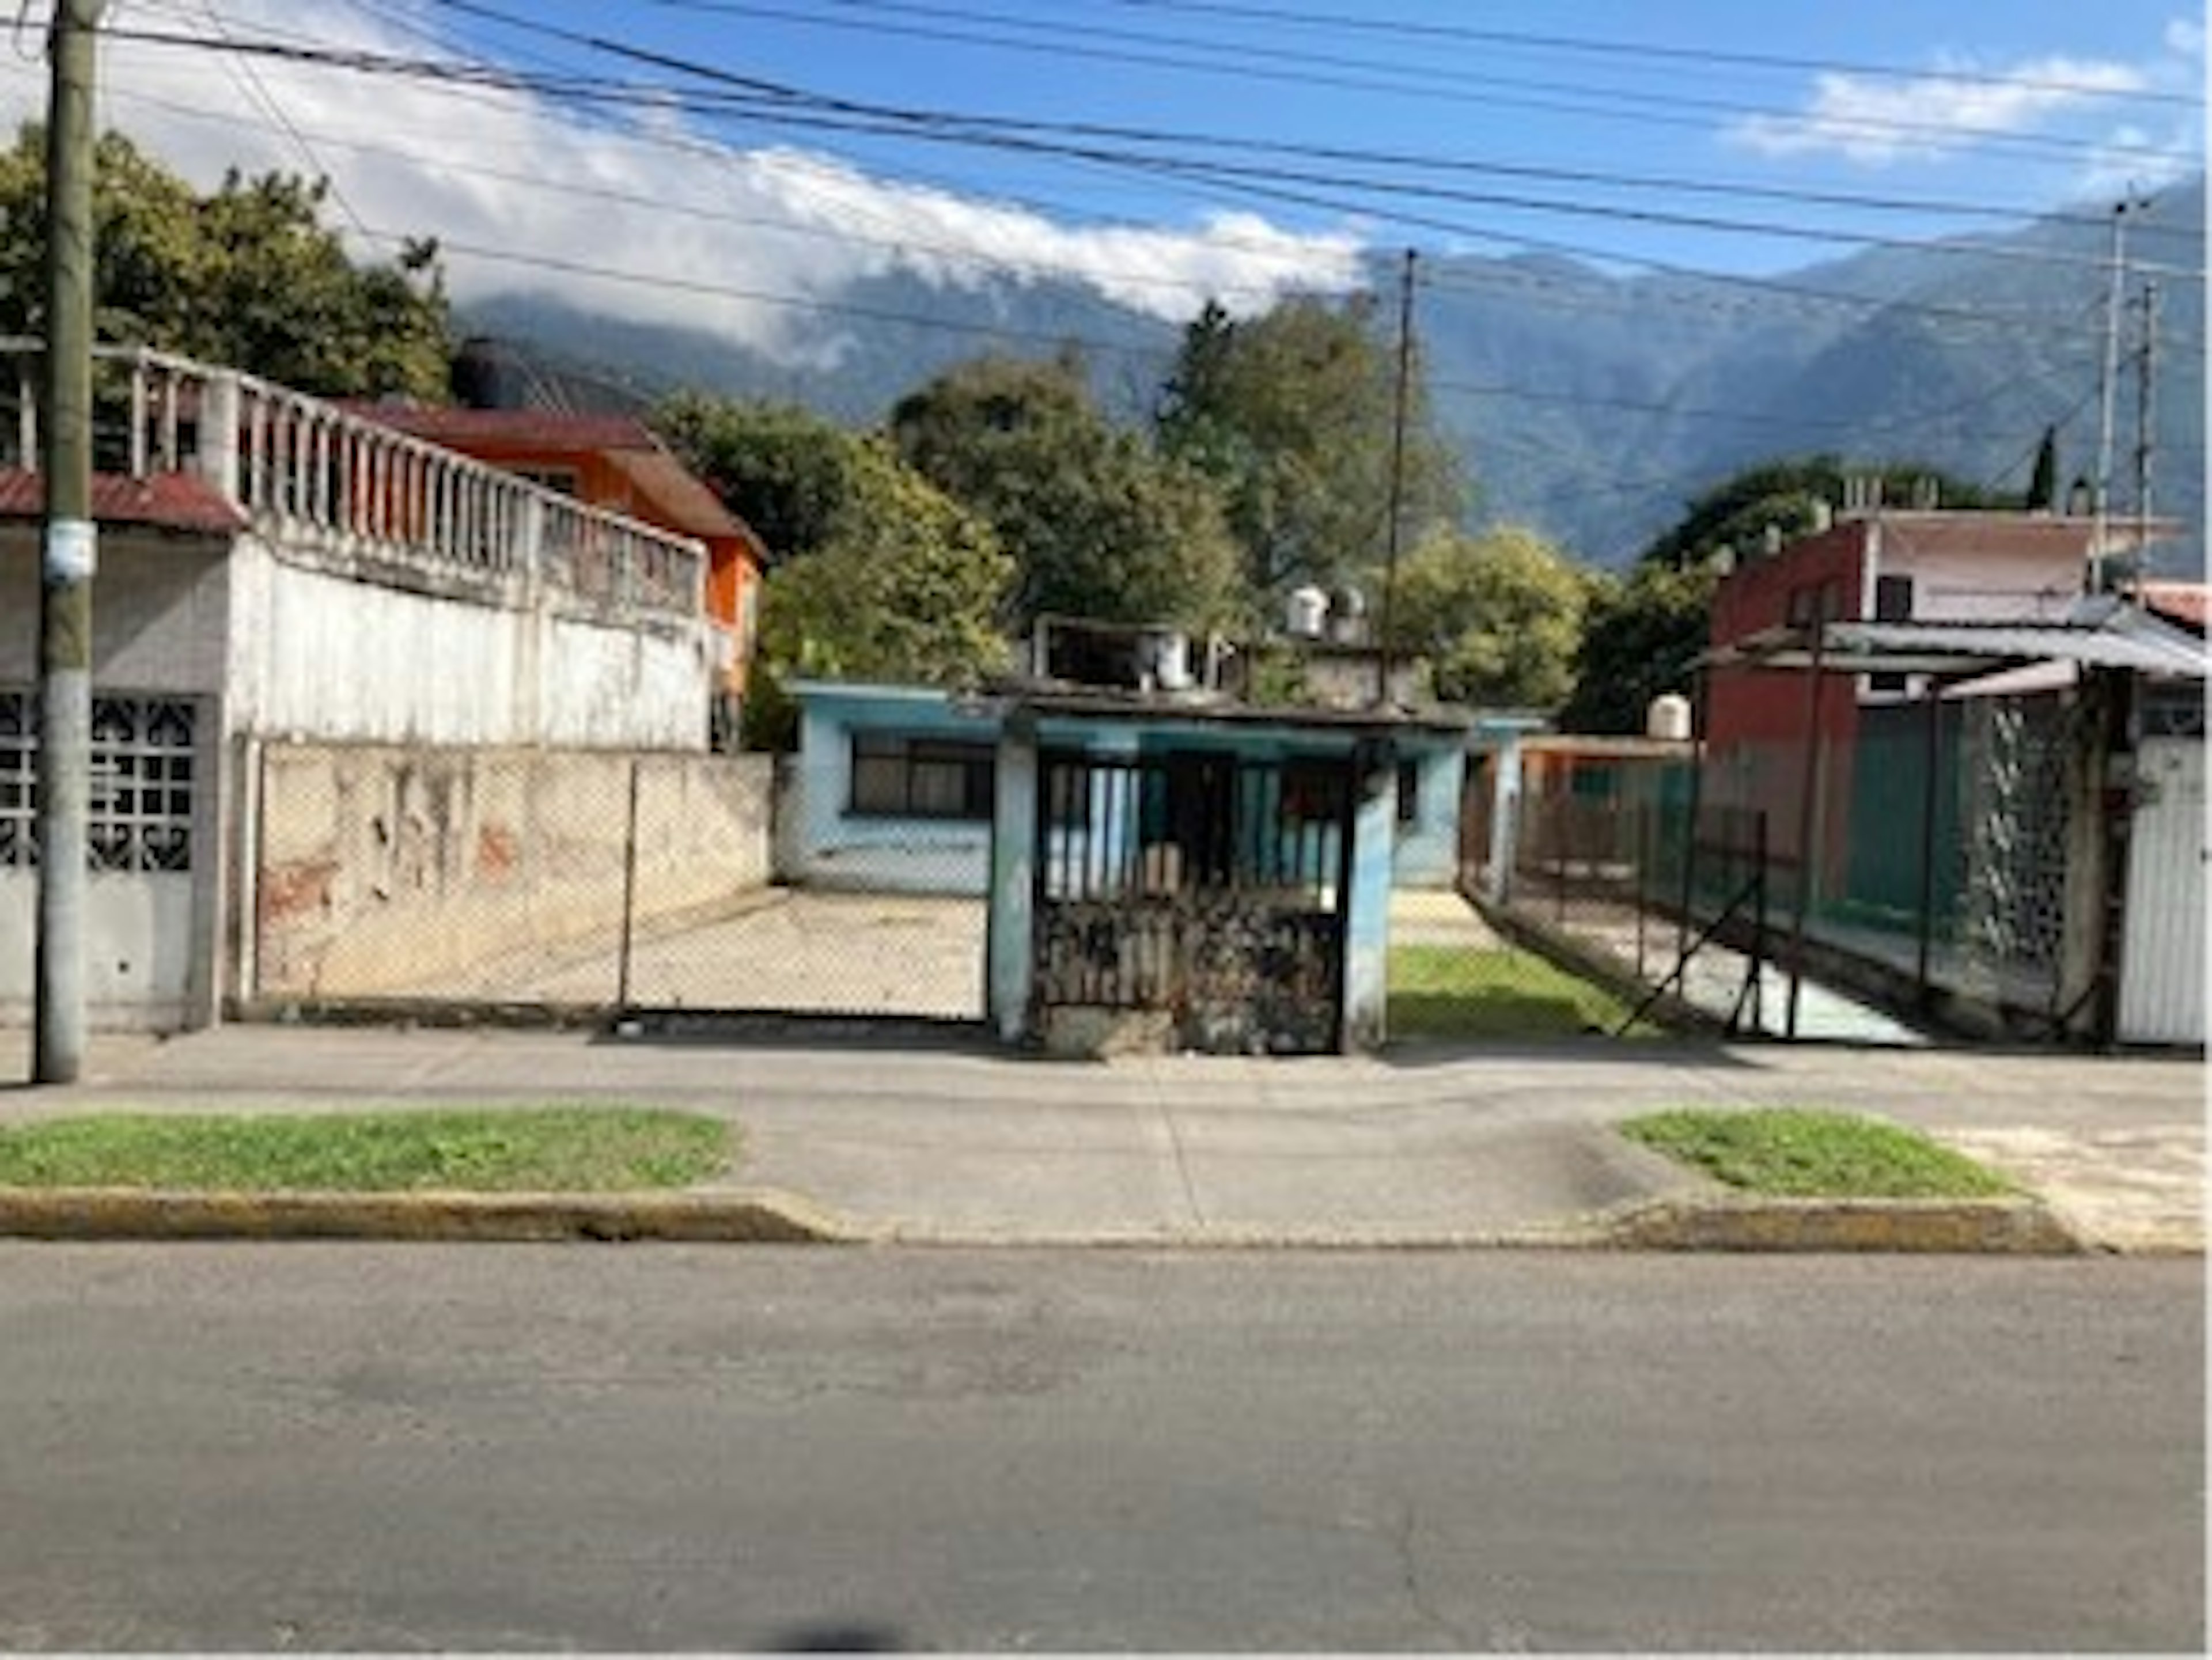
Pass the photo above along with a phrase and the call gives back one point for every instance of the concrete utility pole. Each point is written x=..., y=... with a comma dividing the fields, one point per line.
x=1393, y=529
x=69, y=552
x=2108, y=386
x=2146, y=426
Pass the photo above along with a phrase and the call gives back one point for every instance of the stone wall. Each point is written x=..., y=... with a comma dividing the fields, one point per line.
x=383, y=870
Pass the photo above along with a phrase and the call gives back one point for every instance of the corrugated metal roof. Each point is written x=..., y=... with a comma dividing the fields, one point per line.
x=164, y=501
x=2113, y=636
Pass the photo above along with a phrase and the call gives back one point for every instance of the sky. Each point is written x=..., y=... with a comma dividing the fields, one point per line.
x=740, y=167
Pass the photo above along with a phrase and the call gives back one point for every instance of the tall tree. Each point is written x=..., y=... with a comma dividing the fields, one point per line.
x=880, y=575
x=1097, y=525
x=245, y=276
x=1499, y=616
x=2043, y=486
x=1293, y=414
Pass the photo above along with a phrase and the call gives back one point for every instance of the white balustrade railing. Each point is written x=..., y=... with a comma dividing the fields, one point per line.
x=307, y=471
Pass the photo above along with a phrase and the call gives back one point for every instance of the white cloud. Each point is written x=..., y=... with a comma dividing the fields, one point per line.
x=2185, y=38
x=1877, y=121
x=527, y=196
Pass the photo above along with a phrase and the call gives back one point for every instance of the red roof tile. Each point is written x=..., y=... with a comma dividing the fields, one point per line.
x=2185, y=603
x=164, y=501
x=523, y=429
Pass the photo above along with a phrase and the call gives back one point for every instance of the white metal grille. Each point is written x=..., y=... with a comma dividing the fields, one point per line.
x=140, y=815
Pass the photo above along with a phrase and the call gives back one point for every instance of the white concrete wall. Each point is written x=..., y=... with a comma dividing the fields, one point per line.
x=313, y=654
x=159, y=610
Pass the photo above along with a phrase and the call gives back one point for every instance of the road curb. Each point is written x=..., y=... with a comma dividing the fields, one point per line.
x=2017, y=1227
x=756, y=1217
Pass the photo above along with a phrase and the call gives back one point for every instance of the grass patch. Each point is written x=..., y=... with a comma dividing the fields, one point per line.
x=1451, y=991
x=1804, y=1154
x=552, y=1149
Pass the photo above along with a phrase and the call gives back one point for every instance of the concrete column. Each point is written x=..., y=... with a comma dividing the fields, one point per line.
x=1505, y=818
x=1010, y=941
x=1366, y=905
x=215, y=456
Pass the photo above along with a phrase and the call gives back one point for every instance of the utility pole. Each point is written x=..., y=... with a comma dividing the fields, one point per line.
x=1394, y=528
x=2108, y=387
x=69, y=552
x=2146, y=423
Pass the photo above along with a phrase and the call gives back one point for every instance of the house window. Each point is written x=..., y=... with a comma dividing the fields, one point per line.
x=1409, y=792
x=897, y=777
x=1893, y=603
x=562, y=481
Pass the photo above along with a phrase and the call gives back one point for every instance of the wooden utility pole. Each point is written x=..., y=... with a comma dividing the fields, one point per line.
x=69, y=553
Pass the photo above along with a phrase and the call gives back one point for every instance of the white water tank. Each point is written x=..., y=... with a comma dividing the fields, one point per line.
x=1668, y=718
x=1306, y=609
x=1164, y=660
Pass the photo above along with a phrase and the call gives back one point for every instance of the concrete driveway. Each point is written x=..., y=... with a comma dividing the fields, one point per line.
x=788, y=950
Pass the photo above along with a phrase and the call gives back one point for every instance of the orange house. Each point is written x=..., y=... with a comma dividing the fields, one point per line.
x=613, y=462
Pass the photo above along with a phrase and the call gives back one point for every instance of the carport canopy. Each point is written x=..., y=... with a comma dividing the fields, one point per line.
x=2101, y=634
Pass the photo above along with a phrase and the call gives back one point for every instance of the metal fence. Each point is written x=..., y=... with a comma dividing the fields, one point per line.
x=1930, y=859
x=1206, y=888
x=578, y=882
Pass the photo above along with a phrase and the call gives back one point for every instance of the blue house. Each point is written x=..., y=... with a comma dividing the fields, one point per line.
x=1163, y=869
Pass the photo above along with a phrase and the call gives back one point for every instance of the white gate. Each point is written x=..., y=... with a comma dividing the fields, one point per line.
x=2162, y=957
x=145, y=842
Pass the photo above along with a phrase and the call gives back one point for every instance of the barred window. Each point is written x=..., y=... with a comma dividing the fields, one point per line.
x=896, y=777
x=140, y=808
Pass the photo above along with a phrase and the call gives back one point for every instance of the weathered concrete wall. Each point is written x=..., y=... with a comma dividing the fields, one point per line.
x=159, y=606
x=316, y=654
x=387, y=870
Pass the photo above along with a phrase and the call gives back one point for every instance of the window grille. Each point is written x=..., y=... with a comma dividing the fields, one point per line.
x=141, y=783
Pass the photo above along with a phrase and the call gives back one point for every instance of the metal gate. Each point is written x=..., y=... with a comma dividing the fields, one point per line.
x=2162, y=954
x=148, y=954
x=1203, y=889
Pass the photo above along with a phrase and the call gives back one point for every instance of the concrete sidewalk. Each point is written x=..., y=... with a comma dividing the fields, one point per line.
x=1427, y=1146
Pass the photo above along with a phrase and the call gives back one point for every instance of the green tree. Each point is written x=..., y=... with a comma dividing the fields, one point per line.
x=882, y=575
x=1097, y=525
x=1499, y=616
x=1292, y=414
x=2043, y=486
x=1640, y=638
x=245, y=276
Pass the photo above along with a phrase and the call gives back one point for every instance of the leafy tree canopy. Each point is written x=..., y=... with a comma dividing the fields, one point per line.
x=245, y=276
x=1639, y=639
x=1499, y=616
x=1293, y=414
x=880, y=575
x=1096, y=524
x=1736, y=511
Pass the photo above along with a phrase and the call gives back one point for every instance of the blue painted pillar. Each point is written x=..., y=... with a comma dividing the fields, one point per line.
x=1010, y=938
x=1367, y=905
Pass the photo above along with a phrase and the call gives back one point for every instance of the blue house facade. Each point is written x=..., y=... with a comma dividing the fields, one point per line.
x=1160, y=871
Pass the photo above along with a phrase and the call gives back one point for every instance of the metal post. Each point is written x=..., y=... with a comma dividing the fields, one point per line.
x=1701, y=705
x=629, y=893
x=1806, y=797
x=69, y=554
x=1931, y=757
x=1643, y=879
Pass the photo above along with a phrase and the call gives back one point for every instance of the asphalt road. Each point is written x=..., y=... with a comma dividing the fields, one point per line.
x=350, y=1447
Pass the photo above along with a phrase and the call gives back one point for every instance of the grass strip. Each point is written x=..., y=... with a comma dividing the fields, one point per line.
x=549, y=1149
x=1809, y=1153
x=1452, y=991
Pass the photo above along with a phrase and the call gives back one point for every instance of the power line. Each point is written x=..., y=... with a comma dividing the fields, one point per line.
x=1642, y=106
x=1410, y=29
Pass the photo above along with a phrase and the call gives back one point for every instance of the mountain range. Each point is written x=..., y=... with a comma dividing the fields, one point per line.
x=1588, y=404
